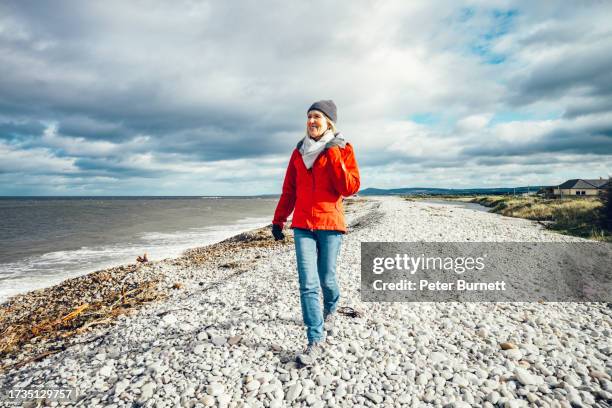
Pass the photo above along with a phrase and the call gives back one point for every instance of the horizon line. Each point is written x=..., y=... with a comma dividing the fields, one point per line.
x=263, y=194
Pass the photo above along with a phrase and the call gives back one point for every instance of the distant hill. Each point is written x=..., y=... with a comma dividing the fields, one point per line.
x=448, y=191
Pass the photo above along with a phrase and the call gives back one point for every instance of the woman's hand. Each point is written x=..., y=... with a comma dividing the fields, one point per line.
x=344, y=170
x=277, y=232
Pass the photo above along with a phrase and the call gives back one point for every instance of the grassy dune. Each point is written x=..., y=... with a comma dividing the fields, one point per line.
x=569, y=216
x=572, y=216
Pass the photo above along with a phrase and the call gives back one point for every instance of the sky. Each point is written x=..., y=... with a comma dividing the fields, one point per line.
x=210, y=98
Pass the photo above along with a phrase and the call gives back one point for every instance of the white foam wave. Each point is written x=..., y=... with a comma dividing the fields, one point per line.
x=51, y=268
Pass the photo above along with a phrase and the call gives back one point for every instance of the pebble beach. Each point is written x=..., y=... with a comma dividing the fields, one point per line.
x=226, y=325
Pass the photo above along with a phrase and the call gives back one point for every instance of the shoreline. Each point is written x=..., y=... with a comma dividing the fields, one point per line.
x=99, y=297
x=228, y=335
x=207, y=235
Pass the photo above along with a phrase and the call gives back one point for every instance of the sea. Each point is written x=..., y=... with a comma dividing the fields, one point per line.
x=45, y=240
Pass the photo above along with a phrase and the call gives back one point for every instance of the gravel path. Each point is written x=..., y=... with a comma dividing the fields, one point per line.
x=231, y=343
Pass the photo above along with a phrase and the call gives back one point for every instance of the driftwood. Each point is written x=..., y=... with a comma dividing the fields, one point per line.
x=23, y=324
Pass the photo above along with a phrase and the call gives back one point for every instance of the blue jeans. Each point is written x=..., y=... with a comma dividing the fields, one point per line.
x=317, y=252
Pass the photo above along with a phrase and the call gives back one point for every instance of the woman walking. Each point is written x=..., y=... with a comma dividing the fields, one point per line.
x=322, y=170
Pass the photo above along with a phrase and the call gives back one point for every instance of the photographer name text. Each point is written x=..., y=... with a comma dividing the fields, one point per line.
x=423, y=285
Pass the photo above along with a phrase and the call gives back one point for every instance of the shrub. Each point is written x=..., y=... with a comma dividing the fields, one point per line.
x=582, y=217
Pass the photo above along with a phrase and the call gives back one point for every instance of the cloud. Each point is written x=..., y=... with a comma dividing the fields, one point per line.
x=592, y=135
x=33, y=161
x=473, y=123
x=117, y=95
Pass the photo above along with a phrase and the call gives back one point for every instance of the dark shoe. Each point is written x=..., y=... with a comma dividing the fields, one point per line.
x=310, y=355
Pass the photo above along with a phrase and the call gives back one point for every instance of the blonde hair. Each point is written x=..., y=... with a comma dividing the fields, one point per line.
x=331, y=125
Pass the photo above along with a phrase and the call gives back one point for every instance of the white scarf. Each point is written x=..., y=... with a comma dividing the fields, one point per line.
x=311, y=148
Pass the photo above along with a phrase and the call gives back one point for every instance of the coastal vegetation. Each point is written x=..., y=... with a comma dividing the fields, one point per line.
x=583, y=217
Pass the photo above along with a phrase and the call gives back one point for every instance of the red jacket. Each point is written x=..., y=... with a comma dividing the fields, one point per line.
x=316, y=194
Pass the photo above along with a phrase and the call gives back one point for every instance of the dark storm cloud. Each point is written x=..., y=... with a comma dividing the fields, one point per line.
x=83, y=126
x=586, y=72
x=591, y=106
x=136, y=89
x=62, y=68
x=563, y=54
x=520, y=160
x=97, y=167
x=17, y=131
x=597, y=141
x=212, y=144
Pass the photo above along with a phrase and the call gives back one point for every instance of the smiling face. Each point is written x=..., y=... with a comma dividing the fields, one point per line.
x=316, y=124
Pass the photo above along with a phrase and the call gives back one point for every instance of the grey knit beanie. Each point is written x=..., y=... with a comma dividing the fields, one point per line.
x=327, y=107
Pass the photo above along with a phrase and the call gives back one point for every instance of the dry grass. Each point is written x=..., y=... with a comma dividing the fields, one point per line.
x=573, y=216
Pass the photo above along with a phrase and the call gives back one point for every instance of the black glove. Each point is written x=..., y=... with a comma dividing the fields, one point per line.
x=277, y=231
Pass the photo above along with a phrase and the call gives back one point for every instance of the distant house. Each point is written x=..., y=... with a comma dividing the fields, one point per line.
x=581, y=187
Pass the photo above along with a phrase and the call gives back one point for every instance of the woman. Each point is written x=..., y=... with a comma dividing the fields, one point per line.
x=321, y=170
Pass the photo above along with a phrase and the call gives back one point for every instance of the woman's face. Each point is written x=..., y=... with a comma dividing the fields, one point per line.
x=316, y=124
